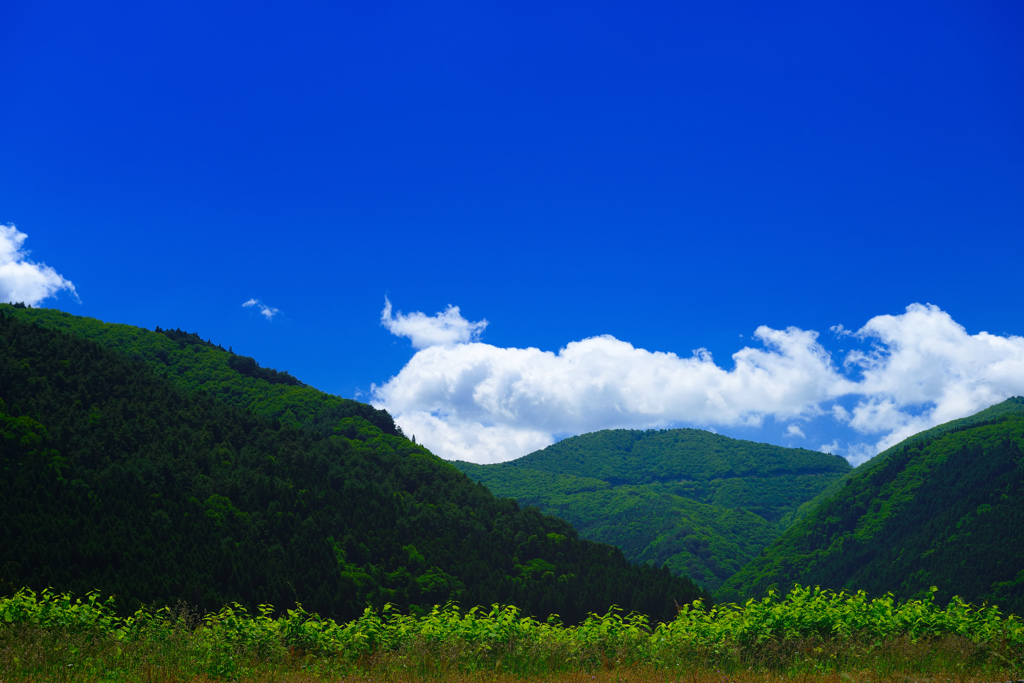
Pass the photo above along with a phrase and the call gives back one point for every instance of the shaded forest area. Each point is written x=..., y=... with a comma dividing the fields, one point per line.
x=194, y=364
x=116, y=479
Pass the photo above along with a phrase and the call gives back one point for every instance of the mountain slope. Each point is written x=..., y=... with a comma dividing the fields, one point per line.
x=943, y=508
x=703, y=503
x=988, y=415
x=113, y=478
x=193, y=364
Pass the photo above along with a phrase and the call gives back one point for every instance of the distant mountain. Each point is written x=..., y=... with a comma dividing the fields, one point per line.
x=943, y=508
x=702, y=503
x=114, y=476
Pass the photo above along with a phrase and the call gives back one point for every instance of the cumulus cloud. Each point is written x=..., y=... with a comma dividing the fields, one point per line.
x=794, y=430
x=442, y=329
x=925, y=358
x=469, y=400
x=22, y=279
x=266, y=311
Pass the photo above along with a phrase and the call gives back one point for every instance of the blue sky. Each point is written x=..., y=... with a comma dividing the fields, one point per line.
x=672, y=175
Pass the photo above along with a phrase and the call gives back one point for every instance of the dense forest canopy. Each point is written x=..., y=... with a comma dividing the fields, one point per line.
x=702, y=503
x=944, y=508
x=193, y=364
x=116, y=478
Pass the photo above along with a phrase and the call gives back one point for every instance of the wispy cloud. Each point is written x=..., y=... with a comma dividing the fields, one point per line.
x=266, y=311
x=22, y=279
x=861, y=452
x=794, y=430
x=441, y=329
x=474, y=401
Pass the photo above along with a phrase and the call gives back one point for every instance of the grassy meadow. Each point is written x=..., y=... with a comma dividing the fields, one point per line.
x=806, y=635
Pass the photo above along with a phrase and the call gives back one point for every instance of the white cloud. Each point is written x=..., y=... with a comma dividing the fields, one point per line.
x=794, y=430
x=474, y=401
x=24, y=280
x=860, y=453
x=593, y=384
x=472, y=440
x=841, y=414
x=266, y=311
x=442, y=329
x=829, y=447
x=925, y=359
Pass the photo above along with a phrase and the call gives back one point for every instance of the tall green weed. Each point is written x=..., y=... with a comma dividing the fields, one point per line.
x=807, y=630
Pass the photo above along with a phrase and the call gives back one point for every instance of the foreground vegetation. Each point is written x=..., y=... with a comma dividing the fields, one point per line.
x=811, y=634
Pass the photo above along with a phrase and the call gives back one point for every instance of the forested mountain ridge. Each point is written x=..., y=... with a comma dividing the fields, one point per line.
x=702, y=503
x=194, y=364
x=113, y=478
x=943, y=508
x=990, y=414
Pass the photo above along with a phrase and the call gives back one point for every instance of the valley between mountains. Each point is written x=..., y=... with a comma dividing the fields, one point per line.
x=161, y=467
x=701, y=503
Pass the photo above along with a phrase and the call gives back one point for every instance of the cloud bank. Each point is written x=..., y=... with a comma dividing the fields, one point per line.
x=22, y=279
x=472, y=401
x=266, y=311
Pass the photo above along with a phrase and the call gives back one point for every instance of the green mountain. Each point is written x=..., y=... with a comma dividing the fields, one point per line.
x=702, y=503
x=193, y=364
x=115, y=476
x=943, y=508
x=832, y=489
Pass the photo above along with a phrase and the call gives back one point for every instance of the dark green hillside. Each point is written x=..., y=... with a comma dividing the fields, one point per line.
x=192, y=364
x=944, y=508
x=703, y=503
x=113, y=478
